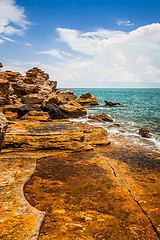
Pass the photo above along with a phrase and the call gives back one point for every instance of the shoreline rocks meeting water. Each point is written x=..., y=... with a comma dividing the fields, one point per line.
x=66, y=180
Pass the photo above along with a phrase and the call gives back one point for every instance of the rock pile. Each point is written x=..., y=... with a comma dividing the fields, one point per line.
x=36, y=88
x=32, y=88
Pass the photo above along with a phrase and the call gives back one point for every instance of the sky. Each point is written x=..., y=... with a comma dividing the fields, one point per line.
x=83, y=43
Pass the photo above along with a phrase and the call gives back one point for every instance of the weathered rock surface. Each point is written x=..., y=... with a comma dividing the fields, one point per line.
x=27, y=108
x=73, y=109
x=111, y=103
x=144, y=133
x=33, y=98
x=103, y=117
x=36, y=116
x=53, y=110
x=60, y=97
x=87, y=99
x=14, y=86
x=3, y=128
x=88, y=188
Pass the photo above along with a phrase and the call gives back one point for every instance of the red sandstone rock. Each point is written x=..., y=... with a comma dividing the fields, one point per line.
x=87, y=99
x=73, y=109
x=33, y=98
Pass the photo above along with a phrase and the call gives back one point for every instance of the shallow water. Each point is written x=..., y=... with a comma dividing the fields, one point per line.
x=140, y=108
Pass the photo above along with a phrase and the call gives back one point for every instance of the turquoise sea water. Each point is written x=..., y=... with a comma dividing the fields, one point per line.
x=140, y=108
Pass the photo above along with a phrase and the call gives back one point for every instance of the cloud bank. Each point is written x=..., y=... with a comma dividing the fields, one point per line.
x=12, y=19
x=126, y=59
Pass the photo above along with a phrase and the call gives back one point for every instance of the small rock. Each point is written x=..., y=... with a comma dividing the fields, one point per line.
x=1, y=65
x=111, y=103
x=144, y=133
x=101, y=118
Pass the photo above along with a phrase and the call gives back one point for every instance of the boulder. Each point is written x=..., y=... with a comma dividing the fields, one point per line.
x=61, y=97
x=3, y=128
x=111, y=103
x=144, y=133
x=33, y=98
x=20, y=88
x=27, y=108
x=101, y=118
x=53, y=110
x=73, y=109
x=87, y=99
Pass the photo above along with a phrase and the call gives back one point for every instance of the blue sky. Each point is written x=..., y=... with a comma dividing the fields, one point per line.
x=83, y=43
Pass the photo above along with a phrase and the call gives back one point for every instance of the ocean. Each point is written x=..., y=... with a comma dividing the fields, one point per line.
x=140, y=108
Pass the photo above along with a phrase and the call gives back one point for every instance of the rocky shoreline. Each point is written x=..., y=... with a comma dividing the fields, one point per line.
x=66, y=180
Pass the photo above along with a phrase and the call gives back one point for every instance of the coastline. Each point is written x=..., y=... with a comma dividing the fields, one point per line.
x=64, y=179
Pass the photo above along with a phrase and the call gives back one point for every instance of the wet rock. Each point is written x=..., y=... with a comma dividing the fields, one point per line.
x=111, y=103
x=3, y=128
x=27, y=108
x=53, y=110
x=87, y=99
x=103, y=117
x=33, y=98
x=144, y=133
x=73, y=109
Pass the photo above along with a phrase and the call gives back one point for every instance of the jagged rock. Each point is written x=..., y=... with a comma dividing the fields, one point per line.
x=111, y=103
x=35, y=72
x=144, y=133
x=33, y=98
x=14, y=84
x=3, y=128
x=27, y=108
x=103, y=117
x=21, y=88
x=11, y=76
x=1, y=65
x=73, y=109
x=53, y=110
x=87, y=99
x=60, y=97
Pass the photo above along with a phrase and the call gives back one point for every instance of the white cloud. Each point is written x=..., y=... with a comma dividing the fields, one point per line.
x=28, y=44
x=105, y=58
x=12, y=14
x=52, y=52
x=8, y=39
x=112, y=56
x=124, y=23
